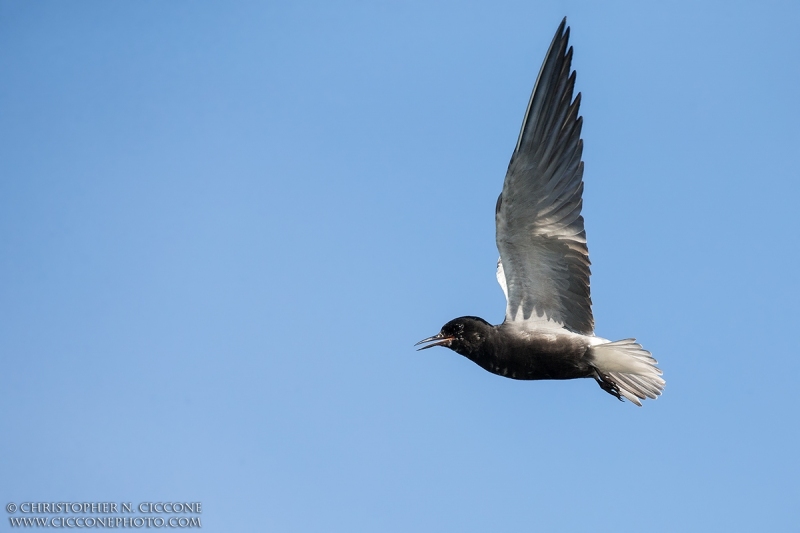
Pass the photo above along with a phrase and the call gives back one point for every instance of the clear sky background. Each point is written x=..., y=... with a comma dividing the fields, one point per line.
x=223, y=225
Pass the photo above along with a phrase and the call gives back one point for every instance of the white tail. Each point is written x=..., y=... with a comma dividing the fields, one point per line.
x=624, y=368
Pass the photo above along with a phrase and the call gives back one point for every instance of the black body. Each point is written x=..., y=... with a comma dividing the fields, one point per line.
x=506, y=351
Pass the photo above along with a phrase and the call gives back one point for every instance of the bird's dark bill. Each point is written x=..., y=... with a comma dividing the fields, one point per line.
x=436, y=340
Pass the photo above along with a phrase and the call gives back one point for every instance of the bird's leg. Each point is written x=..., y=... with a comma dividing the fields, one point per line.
x=607, y=384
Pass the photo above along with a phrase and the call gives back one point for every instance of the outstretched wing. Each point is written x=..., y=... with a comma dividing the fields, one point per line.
x=540, y=232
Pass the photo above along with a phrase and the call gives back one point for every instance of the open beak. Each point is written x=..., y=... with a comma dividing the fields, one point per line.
x=436, y=340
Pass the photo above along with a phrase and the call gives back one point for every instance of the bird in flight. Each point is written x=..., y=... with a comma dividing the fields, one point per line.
x=548, y=331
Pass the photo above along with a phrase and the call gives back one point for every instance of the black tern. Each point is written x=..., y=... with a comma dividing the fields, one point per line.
x=548, y=331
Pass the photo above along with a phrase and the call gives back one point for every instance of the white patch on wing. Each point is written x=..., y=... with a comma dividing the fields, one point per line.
x=501, y=278
x=546, y=329
x=517, y=315
x=540, y=321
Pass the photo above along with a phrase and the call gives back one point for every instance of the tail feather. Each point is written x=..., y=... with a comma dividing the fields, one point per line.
x=625, y=369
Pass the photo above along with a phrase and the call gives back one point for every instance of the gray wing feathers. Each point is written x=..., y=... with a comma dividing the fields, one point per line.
x=540, y=233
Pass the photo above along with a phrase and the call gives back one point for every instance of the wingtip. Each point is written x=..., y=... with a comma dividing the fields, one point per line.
x=561, y=32
x=563, y=28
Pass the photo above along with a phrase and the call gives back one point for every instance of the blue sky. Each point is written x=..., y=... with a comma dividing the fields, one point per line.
x=224, y=225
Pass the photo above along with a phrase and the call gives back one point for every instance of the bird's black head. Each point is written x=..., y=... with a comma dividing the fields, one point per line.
x=466, y=335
